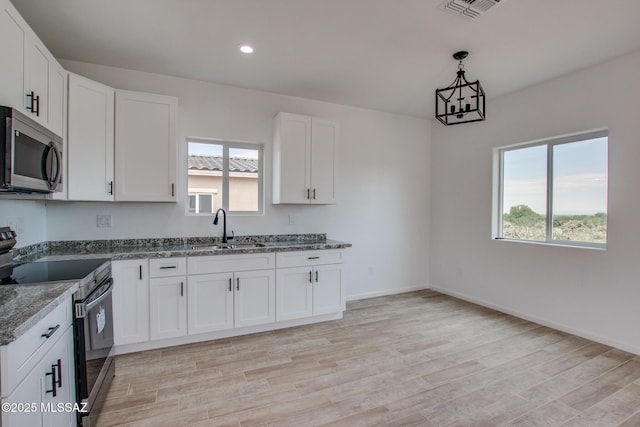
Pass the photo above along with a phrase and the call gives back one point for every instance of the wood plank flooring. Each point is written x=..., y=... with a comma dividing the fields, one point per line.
x=413, y=359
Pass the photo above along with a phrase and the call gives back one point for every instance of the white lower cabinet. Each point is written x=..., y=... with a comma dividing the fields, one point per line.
x=255, y=298
x=167, y=307
x=44, y=393
x=309, y=284
x=219, y=301
x=167, y=298
x=210, y=302
x=294, y=293
x=328, y=289
x=177, y=298
x=130, y=301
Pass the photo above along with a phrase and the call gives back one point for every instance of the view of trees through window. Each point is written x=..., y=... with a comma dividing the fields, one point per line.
x=556, y=191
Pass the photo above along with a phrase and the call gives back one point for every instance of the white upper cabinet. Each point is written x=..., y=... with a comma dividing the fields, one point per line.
x=39, y=64
x=324, y=136
x=58, y=100
x=13, y=33
x=29, y=82
x=145, y=147
x=90, y=140
x=304, y=159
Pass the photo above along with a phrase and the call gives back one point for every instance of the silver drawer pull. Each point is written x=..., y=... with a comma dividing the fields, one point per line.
x=313, y=257
x=51, y=332
x=167, y=267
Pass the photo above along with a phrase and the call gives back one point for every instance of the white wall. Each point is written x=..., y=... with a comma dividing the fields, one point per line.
x=383, y=180
x=593, y=293
x=28, y=218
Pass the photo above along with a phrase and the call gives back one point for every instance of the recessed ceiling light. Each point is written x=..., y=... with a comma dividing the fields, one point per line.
x=245, y=48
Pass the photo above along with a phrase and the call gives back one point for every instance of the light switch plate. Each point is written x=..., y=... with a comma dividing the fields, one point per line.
x=103, y=221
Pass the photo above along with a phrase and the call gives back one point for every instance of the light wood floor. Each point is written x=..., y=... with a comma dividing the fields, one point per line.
x=419, y=358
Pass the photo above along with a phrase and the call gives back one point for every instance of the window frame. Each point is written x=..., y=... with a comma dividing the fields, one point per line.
x=498, y=194
x=198, y=201
x=226, y=145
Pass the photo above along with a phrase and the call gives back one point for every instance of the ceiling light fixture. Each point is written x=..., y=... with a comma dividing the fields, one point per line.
x=461, y=101
x=245, y=48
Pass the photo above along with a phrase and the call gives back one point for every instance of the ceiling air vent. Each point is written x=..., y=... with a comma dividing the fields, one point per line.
x=470, y=9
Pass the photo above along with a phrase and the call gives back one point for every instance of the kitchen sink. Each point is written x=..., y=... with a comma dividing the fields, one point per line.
x=226, y=246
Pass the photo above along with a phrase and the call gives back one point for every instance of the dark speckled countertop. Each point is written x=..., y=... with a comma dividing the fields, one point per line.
x=22, y=306
x=122, y=249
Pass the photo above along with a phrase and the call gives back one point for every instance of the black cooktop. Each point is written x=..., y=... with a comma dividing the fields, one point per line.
x=52, y=271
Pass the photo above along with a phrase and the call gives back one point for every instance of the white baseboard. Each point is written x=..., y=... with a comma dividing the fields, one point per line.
x=190, y=339
x=559, y=326
x=386, y=292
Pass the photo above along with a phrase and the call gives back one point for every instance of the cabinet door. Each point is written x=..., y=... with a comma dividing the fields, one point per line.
x=39, y=62
x=90, y=140
x=167, y=307
x=58, y=100
x=324, y=136
x=58, y=367
x=58, y=120
x=130, y=301
x=291, y=158
x=29, y=391
x=13, y=33
x=209, y=302
x=255, y=297
x=145, y=147
x=328, y=289
x=294, y=293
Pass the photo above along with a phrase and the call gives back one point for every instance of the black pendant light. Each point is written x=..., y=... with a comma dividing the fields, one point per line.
x=461, y=101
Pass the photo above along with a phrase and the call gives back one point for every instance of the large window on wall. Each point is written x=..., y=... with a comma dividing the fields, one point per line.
x=224, y=174
x=554, y=191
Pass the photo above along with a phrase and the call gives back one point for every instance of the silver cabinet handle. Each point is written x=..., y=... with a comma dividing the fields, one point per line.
x=230, y=285
x=166, y=267
x=316, y=276
x=313, y=257
x=181, y=289
x=237, y=283
x=310, y=280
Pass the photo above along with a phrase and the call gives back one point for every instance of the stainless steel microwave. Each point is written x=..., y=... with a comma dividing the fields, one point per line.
x=31, y=155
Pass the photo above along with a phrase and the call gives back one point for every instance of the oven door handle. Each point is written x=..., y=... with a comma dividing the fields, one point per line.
x=102, y=297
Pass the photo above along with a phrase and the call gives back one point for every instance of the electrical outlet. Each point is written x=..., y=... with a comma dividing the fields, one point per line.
x=103, y=221
x=292, y=220
x=19, y=225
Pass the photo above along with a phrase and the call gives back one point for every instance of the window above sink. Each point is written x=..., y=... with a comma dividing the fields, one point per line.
x=224, y=174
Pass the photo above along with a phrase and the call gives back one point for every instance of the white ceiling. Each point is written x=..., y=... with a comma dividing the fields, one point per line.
x=387, y=55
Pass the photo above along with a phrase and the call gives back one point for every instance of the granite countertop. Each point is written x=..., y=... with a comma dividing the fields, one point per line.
x=124, y=249
x=22, y=306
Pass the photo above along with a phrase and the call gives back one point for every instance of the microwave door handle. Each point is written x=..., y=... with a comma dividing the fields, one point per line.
x=55, y=180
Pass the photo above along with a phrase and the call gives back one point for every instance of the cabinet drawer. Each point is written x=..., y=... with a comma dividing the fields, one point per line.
x=167, y=267
x=305, y=258
x=20, y=357
x=229, y=263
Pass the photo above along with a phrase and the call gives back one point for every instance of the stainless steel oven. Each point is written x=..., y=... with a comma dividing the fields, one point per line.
x=93, y=328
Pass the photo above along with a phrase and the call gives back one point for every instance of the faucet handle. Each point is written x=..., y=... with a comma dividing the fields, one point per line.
x=232, y=235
